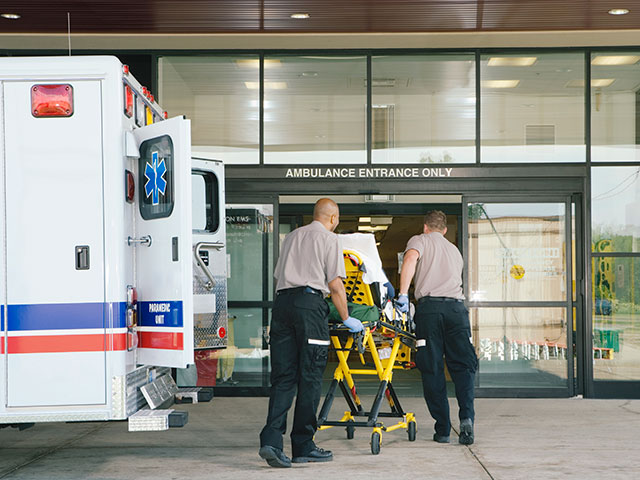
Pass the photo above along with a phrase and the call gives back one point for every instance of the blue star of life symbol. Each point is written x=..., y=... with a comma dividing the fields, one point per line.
x=156, y=184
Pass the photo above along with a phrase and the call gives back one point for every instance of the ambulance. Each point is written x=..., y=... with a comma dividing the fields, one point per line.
x=112, y=241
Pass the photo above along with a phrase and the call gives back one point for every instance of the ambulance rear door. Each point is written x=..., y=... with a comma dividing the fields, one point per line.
x=209, y=255
x=163, y=244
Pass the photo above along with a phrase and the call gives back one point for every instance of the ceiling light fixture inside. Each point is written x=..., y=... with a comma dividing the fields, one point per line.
x=500, y=83
x=10, y=16
x=300, y=15
x=255, y=63
x=511, y=61
x=609, y=60
x=267, y=85
x=595, y=82
x=618, y=11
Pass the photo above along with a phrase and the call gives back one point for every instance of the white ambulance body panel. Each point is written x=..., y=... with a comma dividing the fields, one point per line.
x=70, y=347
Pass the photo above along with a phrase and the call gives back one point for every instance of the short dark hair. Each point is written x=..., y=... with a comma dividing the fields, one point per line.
x=436, y=220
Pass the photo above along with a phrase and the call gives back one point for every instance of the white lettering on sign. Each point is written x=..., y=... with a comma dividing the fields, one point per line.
x=159, y=307
x=369, y=172
x=159, y=319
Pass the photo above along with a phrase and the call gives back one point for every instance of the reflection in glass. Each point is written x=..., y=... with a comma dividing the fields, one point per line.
x=616, y=318
x=424, y=109
x=614, y=106
x=249, y=228
x=212, y=93
x=315, y=110
x=521, y=347
x=615, y=209
x=532, y=108
x=516, y=252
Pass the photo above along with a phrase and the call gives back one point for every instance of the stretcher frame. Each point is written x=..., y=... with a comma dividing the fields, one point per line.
x=343, y=376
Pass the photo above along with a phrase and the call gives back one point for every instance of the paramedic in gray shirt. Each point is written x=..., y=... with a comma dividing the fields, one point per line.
x=310, y=267
x=442, y=324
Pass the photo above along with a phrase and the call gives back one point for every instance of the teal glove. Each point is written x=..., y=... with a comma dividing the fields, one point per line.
x=354, y=325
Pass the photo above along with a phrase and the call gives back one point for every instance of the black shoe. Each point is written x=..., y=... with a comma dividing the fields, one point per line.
x=274, y=456
x=440, y=438
x=466, y=432
x=316, y=455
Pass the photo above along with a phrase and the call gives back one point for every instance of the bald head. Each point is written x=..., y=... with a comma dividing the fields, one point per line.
x=326, y=211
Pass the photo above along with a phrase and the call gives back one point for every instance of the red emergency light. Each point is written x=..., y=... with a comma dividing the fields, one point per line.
x=128, y=101
x=125, y=69
x=131, y=186
x=52, y=100
x=166, y=115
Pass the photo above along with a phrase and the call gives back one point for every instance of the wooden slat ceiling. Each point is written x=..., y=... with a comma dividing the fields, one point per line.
x=326, y=16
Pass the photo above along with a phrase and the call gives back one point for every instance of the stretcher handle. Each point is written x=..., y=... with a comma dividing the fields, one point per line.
x=205, y=269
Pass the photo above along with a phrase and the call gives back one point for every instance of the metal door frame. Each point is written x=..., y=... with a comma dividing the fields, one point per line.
x=568, y=303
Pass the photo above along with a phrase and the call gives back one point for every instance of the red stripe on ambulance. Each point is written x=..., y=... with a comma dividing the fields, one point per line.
x=161, y=340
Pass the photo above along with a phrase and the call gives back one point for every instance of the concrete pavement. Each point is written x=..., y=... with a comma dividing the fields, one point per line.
x=515, y=439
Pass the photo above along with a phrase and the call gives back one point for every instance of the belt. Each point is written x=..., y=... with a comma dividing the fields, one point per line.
x=290, y=291
x=440, y=299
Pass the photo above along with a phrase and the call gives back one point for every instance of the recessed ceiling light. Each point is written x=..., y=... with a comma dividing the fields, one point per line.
x=267, y=85
x=608, y=60
x=300, y=15
x=309, y=74
x=364, y=219
x=595, y=82
x=511, y=61
x=500, y=83
x=255, y=63
x=618, y=11
x=371, y=228
x=10, y=16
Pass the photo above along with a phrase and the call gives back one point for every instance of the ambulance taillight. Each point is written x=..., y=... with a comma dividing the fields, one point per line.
x=132, y=296
x=52, y=100
x=131, y=186
x=128, y=101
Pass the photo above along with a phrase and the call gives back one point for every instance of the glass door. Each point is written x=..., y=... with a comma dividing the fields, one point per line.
x=243, y=368
x=518, y=283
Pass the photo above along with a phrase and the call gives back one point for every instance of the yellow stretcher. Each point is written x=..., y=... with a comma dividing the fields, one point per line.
x=395, y=330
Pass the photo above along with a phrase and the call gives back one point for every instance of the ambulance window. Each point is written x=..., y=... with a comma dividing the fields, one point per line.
x=155, y=174
x=206, y=208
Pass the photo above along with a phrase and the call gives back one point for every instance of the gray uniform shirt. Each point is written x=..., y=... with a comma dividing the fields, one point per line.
x=439, y=268
x=310, y=256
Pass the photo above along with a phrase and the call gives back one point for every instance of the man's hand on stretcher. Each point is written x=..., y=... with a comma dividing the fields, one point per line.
x=353, y=324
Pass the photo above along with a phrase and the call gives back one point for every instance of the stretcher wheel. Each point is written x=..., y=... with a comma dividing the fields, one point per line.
x=411, y=431
x=351, y=430
x=375, y=443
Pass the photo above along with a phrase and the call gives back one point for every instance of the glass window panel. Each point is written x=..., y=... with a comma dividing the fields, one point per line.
x=616, y=318
x=238, y=365
x=249, y=228
x=424, y=109
x=532, y=108
x=516, y=252
x=212, y=93
x=315, y=110
x=615, y=130
x=198, y=202
x=521, y=347
x=615, y=209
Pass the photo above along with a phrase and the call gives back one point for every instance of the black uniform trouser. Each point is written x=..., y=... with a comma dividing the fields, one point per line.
x=442, y=329
x=299, y=342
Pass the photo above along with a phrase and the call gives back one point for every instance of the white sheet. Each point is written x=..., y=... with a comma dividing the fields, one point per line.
x=364, y=244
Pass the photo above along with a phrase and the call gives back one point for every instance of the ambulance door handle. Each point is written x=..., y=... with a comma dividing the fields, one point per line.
x=82, y=257
x=205, y=269
x=144, y=240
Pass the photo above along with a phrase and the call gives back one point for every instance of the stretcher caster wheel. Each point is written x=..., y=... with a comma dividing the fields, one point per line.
x=411, y=431
x=375, y=443
x=351, y=430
